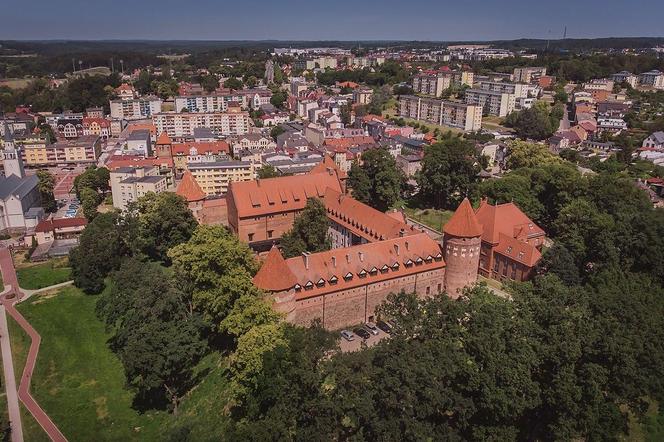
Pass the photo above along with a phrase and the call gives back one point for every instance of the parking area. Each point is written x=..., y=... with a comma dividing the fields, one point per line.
x=356, y=343
x=64, y=181
x=69, y=209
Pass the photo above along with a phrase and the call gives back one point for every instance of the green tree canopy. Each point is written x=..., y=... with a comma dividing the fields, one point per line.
x=309, y=232
x=377, y=181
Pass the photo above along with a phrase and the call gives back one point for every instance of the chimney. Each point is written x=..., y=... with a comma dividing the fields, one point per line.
x=305, y=256
x=348, y=258
x=396, y=249
x=361, y=256
x=406, y=245
x=334, y=262
x=402, y=232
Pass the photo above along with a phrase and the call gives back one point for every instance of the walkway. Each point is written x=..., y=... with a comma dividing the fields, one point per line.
x=9, y=298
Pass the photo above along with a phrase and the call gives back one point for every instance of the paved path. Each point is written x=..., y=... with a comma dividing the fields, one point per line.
x=8, y=300
x=10, y=379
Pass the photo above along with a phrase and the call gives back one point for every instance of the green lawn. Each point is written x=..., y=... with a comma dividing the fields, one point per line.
x=432, y=218
x=43, y=275
x=80, y=383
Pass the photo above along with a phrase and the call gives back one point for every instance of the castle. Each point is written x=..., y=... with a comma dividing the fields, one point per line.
x=374, y=253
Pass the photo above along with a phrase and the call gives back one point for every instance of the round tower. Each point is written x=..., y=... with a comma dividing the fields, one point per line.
x=462, y=239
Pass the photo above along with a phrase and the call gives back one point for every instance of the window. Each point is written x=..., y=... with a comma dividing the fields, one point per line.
x=333, y=280
x=348, y=276
x=428, y=291
x=251, y=236
x=269, y=233
x=363, y=273
x=309, y=285
x=440, y=288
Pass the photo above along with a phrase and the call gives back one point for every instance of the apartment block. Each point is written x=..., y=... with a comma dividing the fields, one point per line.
x=528, y=74
x=130, y=183
x=654, y=79
x=178, y=125
x=446, y=113
x=431, y=84
x=206, y=103
x=82, y=150
x=519, y=90
x=214, y=177
x=493, y=103
x=625, y=76
x=135, y=109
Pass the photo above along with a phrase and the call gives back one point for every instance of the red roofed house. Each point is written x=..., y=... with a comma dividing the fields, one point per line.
x=97, y=126
x=197, y=152
x=511, y=242
x=62, y=228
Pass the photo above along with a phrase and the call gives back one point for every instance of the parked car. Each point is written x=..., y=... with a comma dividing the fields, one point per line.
x=362, y=333
x=371, y=328
x=347, y=335
x=385, y=326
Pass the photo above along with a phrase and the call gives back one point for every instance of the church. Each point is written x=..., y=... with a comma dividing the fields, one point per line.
x=20, y=199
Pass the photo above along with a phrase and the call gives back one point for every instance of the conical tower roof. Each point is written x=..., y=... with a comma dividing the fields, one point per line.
x=463, y=223
x=275, y=275
x=189, y=188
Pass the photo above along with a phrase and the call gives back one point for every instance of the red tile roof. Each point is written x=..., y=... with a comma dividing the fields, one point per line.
x=507, y=219
x=164, y=138
x=103, y=122
x=189, y=188
x=363, y=220
x=49, y=225
x=350, y=267
x=281, y=194
x=463, y=223
x=328, y=163
x=346, y=142
x=133, y=161
x=274, y=275
x=203, y=147
x=517, y=250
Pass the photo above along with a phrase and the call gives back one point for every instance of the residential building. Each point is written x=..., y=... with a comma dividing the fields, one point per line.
x=82, y=150
x=362, y=96
x=653, y=79
x=493, y=103
x=98, y=126
x=140, y=141
x=130, y=183
x=409, y=164
x=442, y=112
x=135, y=108
x=529, y=74
x=94, y=112
x=198, y=152
x=215, y=177
x=519, y=90
x=625, y=77
x=50, y=230
x=431, y=84
x=207, y=103
x=178, y=125
x=654, y=141
x=125, y=92
x=254, y=142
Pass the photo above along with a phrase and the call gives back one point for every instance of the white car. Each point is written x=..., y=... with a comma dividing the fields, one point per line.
x=371, y=328
x=347, y=335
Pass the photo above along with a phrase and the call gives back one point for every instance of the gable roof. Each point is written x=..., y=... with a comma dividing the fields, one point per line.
x=202, y=147
x=658, y=137
x=281, y=194
x=363, y=220
x=517, y=250
x=274, y=275
x=328, y=163
x=365, y=264
x=189, y=188
x=49, y=225
x=507, y=219
x=463, y=223
x=18, y=187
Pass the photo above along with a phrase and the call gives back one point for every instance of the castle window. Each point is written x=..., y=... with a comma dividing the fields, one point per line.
x=321, y=282
x=419, y=260
x=298, y=287
x=521, y=255
x=348, y=276
x=438, y=257
x=509, y=249
x=408, y=263
x=428, y=258
x=373, y=271
x=395, y=266
x=309, y=285
x=362, y=274
x=384, y=269
x=333, y=280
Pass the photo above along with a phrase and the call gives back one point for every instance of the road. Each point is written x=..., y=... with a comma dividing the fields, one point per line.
x=564, y=122
x=9, y=298
x=10, y=379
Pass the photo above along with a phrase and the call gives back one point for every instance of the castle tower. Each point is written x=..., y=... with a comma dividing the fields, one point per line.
x=461, y=249
x=163, y=146
x=13, y=162
x=276, y=278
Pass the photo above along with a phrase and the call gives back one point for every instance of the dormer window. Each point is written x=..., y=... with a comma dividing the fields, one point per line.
x=298, y=287
x=373, y=271
x=384, y=269
x=509, y=249
x=333, y=280
x=395, y=266
x=321, y=282
x=409, y=263
x=363, y=273
x=348, y=276
x=309, y=285
x=428, y=258
x=438, y=257
x=419, y=260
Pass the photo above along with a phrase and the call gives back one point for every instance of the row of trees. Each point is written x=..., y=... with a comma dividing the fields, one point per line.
x=91, y=187
x=537, y=123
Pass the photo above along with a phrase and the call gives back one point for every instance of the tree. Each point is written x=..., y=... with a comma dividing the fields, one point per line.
x=448, y=174
x=377, y=181
x=346, y=114
x=159, y=222
x=247, y=312
x=276, y=131
x=513, y=188
x=101, y=249
x=267, y=171
x=209, y=82
x=90, y=200
x=309, y=232
x=278, y=99
x=217, y=269
x=524, y=154
x=534, y=123
x=233, y=83
x=558, y=261
x=45, y=186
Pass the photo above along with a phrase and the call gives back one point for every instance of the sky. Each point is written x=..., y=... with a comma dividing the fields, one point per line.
x=437, y=20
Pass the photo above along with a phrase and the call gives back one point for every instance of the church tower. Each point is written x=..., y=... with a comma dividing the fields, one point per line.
x=13, y=162
x=461, y=249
